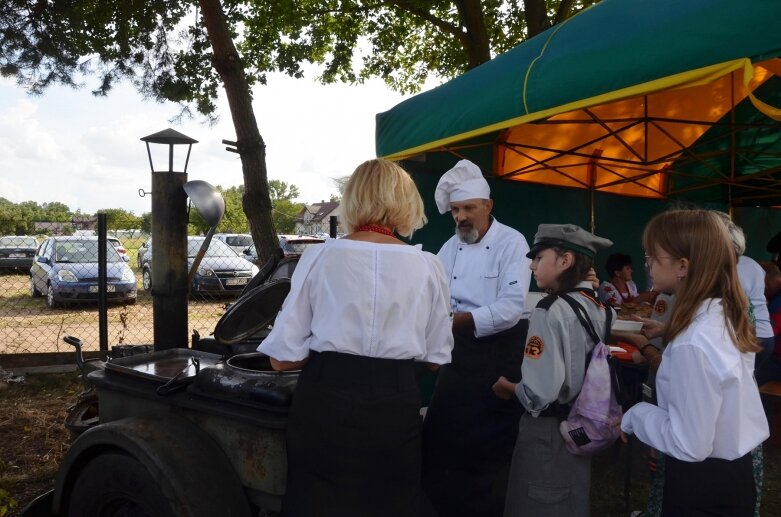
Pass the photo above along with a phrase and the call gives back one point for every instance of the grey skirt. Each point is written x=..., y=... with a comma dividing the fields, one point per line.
x=546, y=480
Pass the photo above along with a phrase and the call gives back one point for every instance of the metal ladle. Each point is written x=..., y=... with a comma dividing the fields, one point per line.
x=211, y=207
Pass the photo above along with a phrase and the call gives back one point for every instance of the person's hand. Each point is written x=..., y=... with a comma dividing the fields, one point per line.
x=638, y=358
x=503, y=388
x=592, y=277
x=463, y=321
x=651, y=328
x=624, y=437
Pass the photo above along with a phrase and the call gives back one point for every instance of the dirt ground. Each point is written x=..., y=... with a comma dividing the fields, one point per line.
x=33, y=441
x=27, y=325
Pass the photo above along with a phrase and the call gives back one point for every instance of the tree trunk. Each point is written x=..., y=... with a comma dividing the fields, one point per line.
x=478, y=48
x=252, y=150
x=537, y=19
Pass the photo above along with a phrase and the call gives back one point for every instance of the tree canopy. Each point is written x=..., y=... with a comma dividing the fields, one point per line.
x=185, y=50
x=283, y=210
x=120, y=219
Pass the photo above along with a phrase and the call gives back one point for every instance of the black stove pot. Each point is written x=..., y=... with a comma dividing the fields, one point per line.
x=248, y=377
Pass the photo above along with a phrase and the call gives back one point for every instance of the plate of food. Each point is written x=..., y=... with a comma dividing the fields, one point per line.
x=628, y=326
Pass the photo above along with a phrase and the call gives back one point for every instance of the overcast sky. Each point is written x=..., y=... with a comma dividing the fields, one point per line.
x=85, y=151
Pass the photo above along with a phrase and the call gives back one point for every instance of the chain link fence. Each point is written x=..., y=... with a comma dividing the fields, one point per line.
x=49, y=289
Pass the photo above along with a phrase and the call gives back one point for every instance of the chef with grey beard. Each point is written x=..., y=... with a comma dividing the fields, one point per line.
x=468, y=435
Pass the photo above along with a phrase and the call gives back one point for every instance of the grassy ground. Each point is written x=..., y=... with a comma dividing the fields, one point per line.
x=33, y=441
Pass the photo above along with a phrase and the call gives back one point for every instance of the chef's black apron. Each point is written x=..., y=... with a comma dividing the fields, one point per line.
x=469, y=433
x=353, y=439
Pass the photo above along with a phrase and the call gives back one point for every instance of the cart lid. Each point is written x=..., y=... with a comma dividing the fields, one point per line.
x=252, y=312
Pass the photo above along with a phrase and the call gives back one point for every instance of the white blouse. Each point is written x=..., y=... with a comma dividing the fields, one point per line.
x=376, y=300
x=752, y=279
x=709, y=405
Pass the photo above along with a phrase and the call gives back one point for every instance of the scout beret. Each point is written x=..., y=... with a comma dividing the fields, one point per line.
x=569, y=236
x=464, y=181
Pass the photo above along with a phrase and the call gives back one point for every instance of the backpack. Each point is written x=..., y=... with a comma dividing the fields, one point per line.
x=594, y=421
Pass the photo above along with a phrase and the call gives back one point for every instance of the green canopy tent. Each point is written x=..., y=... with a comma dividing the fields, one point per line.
x=606, y=118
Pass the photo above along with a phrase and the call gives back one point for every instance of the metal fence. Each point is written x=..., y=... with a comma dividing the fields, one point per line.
x=49, y=289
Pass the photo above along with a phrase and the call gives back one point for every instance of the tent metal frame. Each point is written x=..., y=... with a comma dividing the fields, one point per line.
x=761, y=184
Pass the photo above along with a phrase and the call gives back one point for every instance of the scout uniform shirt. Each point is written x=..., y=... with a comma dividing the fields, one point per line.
x=490, y=278
x=554, y=363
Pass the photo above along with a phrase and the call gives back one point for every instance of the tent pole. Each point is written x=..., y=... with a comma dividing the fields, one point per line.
x=732, y=138
x=592, y=180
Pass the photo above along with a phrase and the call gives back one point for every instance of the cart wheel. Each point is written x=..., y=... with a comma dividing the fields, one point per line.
x=114, y=485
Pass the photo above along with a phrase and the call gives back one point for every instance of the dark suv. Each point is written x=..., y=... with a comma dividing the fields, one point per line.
x=17, y=251
x=222, y=270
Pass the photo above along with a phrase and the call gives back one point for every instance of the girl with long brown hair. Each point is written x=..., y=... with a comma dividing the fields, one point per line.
x=709, y=414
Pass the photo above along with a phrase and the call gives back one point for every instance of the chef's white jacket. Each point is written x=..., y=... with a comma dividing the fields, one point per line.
x=709, y=405
x=490, y=278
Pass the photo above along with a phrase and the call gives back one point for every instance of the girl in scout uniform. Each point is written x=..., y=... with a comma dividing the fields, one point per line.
x=545, y=478
x=709, y=415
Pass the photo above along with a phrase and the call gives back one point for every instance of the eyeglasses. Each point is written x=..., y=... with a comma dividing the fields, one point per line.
x=650, y=259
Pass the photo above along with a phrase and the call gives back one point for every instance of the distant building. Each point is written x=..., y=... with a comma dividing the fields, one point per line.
x=315, y=218
x=53, y=228
x=78, y=223
x=85, y=222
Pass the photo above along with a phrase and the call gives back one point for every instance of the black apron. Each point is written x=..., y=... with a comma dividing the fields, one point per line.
x=713, y=488
x=469, y=433
x=353, y=439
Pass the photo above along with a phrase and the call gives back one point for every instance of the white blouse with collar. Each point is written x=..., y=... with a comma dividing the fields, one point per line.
x=709, y=405
x=377, y=300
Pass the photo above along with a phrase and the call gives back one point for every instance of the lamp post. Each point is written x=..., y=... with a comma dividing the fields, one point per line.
x=169, y=243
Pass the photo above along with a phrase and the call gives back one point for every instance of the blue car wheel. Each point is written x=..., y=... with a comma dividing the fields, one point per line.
x=51, y=302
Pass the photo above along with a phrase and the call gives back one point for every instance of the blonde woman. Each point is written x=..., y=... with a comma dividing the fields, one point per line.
x=361, y=310
x=709, y=415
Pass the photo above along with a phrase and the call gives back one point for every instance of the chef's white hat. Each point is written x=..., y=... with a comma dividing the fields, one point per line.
x=463, y=181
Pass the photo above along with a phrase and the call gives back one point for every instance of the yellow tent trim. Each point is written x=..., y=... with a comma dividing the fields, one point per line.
x=687, y=79
x=767, y=109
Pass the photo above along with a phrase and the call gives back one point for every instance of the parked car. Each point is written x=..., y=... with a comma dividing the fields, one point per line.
x=237, y=241
x=222, y=270
x=292, y=246
x=17, y=251
x=296, y=244
x=117, y=245
x=66, y=270
x=142, y=253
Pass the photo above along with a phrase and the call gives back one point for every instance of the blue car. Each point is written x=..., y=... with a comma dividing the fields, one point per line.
x=65, y=269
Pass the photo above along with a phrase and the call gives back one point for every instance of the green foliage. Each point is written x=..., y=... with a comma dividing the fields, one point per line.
x=284, y=213
x=281, y=190
x=120, y=219
x=20, y=218
x=146, y=223
x=234, y=220
x=163, y=48
x=7, y=503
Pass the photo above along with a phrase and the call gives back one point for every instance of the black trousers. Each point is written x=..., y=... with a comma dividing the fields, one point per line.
x=714, y=488
x=469, y=433
x=353, y=439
